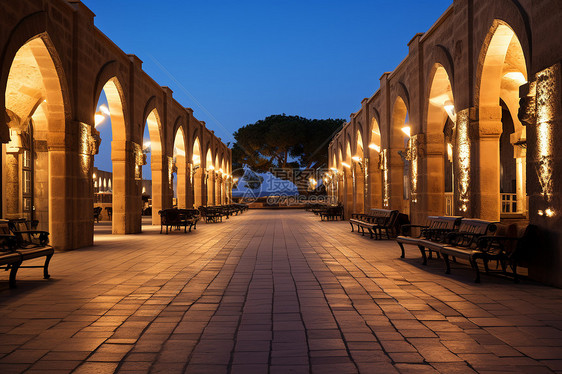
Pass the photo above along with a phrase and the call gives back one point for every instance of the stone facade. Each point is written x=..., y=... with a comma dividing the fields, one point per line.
x=480, y=95
x=54, y=65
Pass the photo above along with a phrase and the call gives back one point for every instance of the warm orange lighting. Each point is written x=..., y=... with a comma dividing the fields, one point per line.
x=345, y=164
x=516, y=76
x=406, y=130
x=98, y=119
x=375, y=147
x=449, y=107
x=357, y=159
x=104, y=110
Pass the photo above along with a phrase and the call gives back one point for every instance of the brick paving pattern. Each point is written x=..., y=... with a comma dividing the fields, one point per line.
x=271, y=292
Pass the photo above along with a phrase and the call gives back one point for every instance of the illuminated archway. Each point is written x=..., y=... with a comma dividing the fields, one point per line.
x=180, y=169
x=35, y=158
x=197, y=173
x=110, y=122
x=210, y=178
x=348, y=178
x=359, y=172
x=501, y=162
x=152, y=144
x=398, y=164
x=340, y=175
x=218, y=178
x=438, y=164
x=375, y=182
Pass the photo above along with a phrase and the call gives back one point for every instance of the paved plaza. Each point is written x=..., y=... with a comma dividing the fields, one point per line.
x=270, y=291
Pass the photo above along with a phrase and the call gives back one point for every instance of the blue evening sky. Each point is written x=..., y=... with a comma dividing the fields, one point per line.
x=235, y=62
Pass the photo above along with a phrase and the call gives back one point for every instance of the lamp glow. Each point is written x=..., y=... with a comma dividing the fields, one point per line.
x=98, y=119
x=406, y=130
x=449, y=107
x=375, y=147
x=357, y=159
x=104, y=110
x=345, y=164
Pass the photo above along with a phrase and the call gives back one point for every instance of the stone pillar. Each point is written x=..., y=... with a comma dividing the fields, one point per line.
x=182, y=181
x=487, y=173
x=11, y=198
x=375, y=182
x=396, y=182
x=462, y=150
x=159, y=186
x=544, y=172
x=432, y=176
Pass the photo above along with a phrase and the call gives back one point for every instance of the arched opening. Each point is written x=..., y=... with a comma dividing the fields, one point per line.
x=218, y=177
x=210, y=178
x=180, y=168
x=153, y=171
x=110, y=161
x=348, y=179
x=501, y=188
x=34, y=160
x=375, y=182
x=340, y=176
x=438, y=176
x=359, y=165
x=196, y=174
x=399, y=165
x=224, y=178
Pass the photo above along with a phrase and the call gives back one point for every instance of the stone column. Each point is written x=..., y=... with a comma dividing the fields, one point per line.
x=432, y=177
x=487, y=174
x=182, y=175
x=159, y=186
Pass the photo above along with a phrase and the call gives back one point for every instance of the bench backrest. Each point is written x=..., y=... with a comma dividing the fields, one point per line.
x=443, y=222
x=477, y=226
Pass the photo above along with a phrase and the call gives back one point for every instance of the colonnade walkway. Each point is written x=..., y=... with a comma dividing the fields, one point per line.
x=271, y=291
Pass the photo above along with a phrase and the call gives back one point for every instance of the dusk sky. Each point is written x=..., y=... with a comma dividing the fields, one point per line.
x=235, y=62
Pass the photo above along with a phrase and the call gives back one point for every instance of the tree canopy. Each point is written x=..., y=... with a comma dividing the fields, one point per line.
x=281, y=141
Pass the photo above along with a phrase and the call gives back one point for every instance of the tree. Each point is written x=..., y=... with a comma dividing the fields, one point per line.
x=281, y=141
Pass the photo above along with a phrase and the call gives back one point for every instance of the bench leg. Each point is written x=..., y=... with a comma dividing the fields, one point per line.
x=447, y=264
x=485, y=265
x=514, y=268
x=351, y=224
x=424, y=256
x=474, y=265
x=46, y=267
x=13, y=271
x=402, y=248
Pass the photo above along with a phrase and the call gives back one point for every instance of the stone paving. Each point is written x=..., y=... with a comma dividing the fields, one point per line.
x=271, y=292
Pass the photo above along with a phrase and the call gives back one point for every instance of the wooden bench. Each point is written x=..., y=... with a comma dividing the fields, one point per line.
x=19, y=242
x=177, y=218
x=332, y=213
x=436, y=229
x=378, y=222
x=97, y=213
x=211, y=214
x=469, y=230
x=507, y=248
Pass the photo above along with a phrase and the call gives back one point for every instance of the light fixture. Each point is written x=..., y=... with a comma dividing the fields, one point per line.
x=549, y=212
x=450, y=152
x=357, y=159
x=345, y=164
x=516, y=76
x=449, y=107
x=375, y=147
x=406, y=130
x=104, y=110
x=98, y=119
x=94, y=176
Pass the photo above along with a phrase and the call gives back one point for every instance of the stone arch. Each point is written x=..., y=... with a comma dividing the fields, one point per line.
x=360, y=172
x=210, y=176
x=398, y=165
x=157, y=167
x=502, y=70
x=197, y=172
x=179, y=156
x=122, y=170
x=37, y=109
x=436, y=174
x=374, y=152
